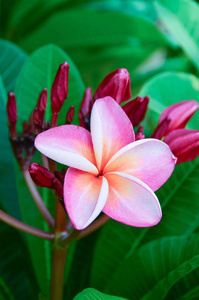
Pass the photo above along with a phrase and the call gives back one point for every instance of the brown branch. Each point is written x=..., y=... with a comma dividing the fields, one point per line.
x=24, y=227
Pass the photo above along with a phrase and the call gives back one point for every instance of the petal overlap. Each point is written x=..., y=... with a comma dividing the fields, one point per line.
x=130, y=201
x=84, y=196
x=111, y=129
x=69, y=145
x=149, y=160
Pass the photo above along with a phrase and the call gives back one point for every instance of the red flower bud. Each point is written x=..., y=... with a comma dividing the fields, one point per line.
x=58, y=187
x=161, y=129
x=85, y=108
x=12, y=108
x=59, y=89
x=184, y=144
x=41, y=176
x=70, y=115
x=140, y=134
x=179, y=114
x=136, y=109
x=117, y=84
x=42, y=101
x=12, y=115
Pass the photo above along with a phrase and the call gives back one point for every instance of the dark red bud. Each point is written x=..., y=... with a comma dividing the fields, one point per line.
x=70, y=115
x=116, y=84
x=58, y=186
x=59, y=91
x=60, y=175
x=41, y=176
x=42, y=101
x=161, y=129
x=37, y=116
x=136, y=109
x=12, y=108
x=85, y=108
x=179, y=114
x=140, y=134
x=184, y=144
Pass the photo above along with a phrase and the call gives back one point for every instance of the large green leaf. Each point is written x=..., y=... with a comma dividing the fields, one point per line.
x=11, y=60
x=180, y=18
x=165, y=89
x=155, y=268
x=5, y=293
x=178, y=196
x=91, y=294
x=8, y=195
x=39, y=72
x=15, y=265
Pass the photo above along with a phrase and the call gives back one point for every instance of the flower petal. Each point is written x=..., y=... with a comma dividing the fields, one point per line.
x=84, y=196
x=130, y=201
x=111, y=129
x=69, y=145
x=149, y=160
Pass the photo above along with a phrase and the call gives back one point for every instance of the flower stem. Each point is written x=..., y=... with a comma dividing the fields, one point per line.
x=59, y=253
x=38, y=200
x=24, y=227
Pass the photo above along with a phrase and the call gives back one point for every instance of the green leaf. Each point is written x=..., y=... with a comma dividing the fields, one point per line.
x=12, y=59
x=80, y=266
x=8, y=195
x=152, y=271
x=178, y=196
x=15, y=265
x=165, y=89
x=180, y=18
x=5, y=293
x=89, y=294
x=39, y=72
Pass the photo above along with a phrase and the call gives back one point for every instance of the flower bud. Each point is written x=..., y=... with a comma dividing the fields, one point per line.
x=70, y=115
x=116, y=84
x=136, y=109
x=59, y=89
x=42, y=101
x=12, y=115
x=184, y=143
x=140, y=134
x=85, y=108
x=161, y=129
x=179, y=114
x=58, y=187
x=41, y=176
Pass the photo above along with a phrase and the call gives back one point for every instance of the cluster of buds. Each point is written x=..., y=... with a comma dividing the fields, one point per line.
x=23, y=144
x=117, y=85
x=44, y=178
x=184, y=143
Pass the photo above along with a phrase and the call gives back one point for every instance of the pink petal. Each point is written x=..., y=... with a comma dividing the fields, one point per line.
x=130, y=201
x=111, y=129
x=84, y=196
x=69, y=145
x=149, y=160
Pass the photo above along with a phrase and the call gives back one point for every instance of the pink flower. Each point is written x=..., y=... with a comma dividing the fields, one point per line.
x=109, y=171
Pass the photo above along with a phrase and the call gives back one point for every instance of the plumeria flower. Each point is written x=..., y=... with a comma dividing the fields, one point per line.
x=109, y=171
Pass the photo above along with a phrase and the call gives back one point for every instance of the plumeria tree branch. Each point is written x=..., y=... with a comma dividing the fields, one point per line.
x=24, y=227
x=38, y=200
x=59, y=253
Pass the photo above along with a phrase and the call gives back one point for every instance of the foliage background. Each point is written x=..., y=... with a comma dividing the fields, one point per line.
x=158, y=42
